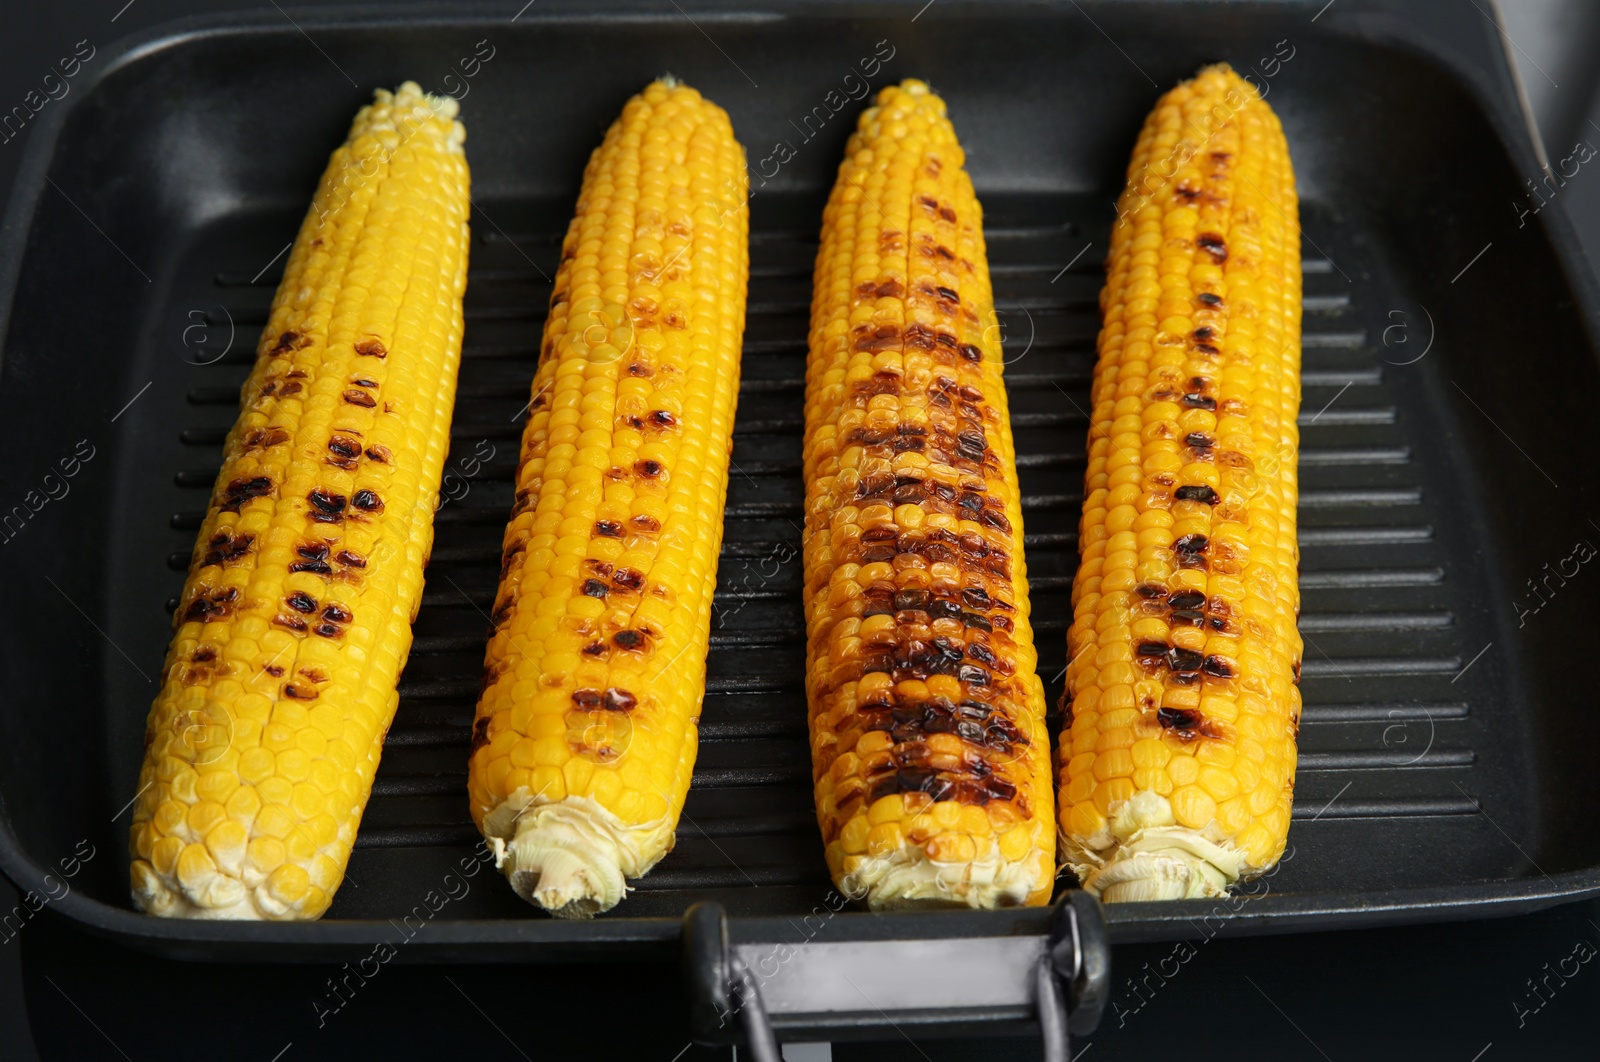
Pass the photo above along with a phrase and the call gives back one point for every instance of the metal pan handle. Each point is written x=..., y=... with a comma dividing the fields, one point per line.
x=759, y=993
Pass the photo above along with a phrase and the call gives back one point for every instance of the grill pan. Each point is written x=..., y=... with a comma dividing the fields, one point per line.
x=1443, y=769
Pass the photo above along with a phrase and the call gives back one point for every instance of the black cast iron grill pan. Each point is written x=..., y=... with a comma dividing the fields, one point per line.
x=1443, y=769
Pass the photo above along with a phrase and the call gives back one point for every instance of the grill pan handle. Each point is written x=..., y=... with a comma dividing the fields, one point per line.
x=759, y=993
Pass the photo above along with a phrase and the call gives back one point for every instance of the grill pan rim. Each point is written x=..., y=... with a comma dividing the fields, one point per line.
x=1490, y=86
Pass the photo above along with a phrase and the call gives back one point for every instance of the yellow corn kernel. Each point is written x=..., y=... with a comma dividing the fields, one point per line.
x=1191, y=485
x=291, y=625
x=596, y=666
x=905, y=346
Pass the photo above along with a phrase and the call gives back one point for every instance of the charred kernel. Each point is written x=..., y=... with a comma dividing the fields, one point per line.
x=359, y=398
x=906, y=600
x=380, y=454
x=948, y=294
x=301, y=601
x=618, y=700
x=1151, y=649
x=316, y=567
x=1191, y=544
x=371, y=348
x=660, y=418
x=594, y=648
x=1149, y=590
x=273, y=669
x=627, y=639
x=226, y=547
x=294, y=692
x=586, y=698
x=288, y=341
x=628, y=578
x=595, y=588
x=242, y=490
x=294, y=623
x=608, y=528
x=344, y=446
x=996, y=520
x=327, y=505
x=1199, y=440
x=336, y=614
x=977, y=676
x=972, y=619
x=971, y=352
x=328, y=630
x=1183, y=659
x=351, y=559
x=1218, y=667
x=649, y=469
x=983, y=655
x=203, y=655
x=1198, y=401
x=1178, y=718
x=1206, y=348
x=1187, y=599
x=1200, y=493
x=362, y=381
x=648, y=525
x=1209, y=298
x=1186, y=617
x=1218, y=623
x=480, y=734
x=367, y=501
x=209, y=605
x=1213, y=245
x=1204, y=334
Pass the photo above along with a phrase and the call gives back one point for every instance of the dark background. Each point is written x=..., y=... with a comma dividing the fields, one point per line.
x=1467, y=991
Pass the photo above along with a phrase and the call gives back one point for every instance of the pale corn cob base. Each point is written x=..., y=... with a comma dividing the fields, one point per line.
x=572, y=857
x=586, y=735
x=905, y=346
x=1203, y=288
x=263, y=742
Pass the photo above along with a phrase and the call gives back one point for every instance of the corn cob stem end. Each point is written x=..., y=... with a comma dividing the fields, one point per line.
x=1143, y=854
x=908, y=880
x=571, y=857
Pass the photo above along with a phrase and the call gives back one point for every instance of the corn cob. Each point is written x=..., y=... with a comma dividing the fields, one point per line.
x=586, y=735
x=294, y=622
x=1182, y=706
x=929, y=750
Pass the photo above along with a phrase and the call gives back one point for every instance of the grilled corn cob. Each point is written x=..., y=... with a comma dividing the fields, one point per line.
x=295, y=620
x=1177, y=763
x=586, y=730
x=929, y=750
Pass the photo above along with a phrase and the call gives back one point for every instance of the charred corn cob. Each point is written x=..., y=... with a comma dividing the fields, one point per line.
x=929, y=750
x=295, y=620
x=1178, y=757
x=586, y=730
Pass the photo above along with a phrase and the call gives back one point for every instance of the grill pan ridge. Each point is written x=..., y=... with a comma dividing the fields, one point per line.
x=1436, y=777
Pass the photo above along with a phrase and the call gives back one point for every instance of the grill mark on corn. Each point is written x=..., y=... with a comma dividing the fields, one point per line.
x=225, y=547
x=208, y=604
